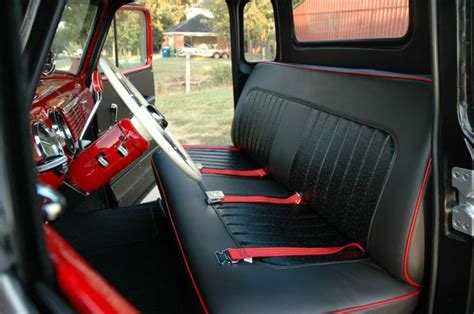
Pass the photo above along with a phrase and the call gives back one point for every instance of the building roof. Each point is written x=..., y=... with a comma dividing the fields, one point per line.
x=197, y=24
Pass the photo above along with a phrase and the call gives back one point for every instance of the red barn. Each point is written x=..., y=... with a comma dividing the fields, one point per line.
x=317, y=20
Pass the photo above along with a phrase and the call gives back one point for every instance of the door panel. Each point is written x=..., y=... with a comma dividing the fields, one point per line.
x=134, y=58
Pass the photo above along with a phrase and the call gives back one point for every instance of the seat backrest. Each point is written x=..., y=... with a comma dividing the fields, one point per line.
x=355, y=143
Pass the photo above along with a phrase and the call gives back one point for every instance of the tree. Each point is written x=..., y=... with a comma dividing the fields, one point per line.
x=73, y=30
x=220, y=24
x=259, y=22
x=166, y=13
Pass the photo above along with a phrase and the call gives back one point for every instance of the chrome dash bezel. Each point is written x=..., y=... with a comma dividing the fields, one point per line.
x=62, y=131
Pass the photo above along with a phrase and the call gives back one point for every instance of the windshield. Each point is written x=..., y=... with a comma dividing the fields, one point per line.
x=73, y=34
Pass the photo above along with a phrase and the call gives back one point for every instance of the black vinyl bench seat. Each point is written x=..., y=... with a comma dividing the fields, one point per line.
x=356, y=145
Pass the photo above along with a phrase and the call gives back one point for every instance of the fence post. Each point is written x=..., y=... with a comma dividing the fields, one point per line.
x=188, y=71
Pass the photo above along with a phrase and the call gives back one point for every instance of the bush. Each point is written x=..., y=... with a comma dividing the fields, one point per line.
x=220, y=75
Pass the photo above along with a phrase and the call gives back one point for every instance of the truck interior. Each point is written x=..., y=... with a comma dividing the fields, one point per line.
x=338, y=193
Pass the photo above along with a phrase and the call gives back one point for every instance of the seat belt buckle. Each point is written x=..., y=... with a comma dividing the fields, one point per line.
x=223, y=258
x=214, y=197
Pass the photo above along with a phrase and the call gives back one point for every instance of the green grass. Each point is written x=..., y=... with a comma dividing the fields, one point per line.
x=170, y=73
x=200, y=117
x=204, y=115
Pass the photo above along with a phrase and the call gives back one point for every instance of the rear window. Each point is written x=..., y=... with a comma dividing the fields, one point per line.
x=329, y=20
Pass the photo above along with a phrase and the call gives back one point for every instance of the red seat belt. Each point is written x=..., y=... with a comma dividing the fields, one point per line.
x=218, y=197
x=238, y=173
x=235, y=255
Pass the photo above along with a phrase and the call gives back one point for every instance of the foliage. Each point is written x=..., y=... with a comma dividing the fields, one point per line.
x=220, y=23
x=296, y=3
x=74, y=28
x=259, y=21
x=220, y=75
x=129, y=30
x=166, y=13
x=259, y=24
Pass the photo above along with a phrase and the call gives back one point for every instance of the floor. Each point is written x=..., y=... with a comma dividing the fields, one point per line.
x=133, y=248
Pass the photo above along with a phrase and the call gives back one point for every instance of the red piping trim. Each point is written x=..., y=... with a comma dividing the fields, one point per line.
x=379, y=75
x=406, y=273
x=238, y=254
x=213, y=147
x=294, y=199
x=237, y=173
x=376, y=304
x=188, y=268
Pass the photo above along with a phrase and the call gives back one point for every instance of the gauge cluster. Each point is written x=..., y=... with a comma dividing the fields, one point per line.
x=58, y=112
x=48, y=148
x=62, y=131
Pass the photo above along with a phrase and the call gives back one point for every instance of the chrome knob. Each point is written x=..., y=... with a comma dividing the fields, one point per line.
x=53, y=202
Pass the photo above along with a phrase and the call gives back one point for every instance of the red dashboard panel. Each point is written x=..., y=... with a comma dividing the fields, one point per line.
x=117, y=148
x=89, y=169
x=67, y=94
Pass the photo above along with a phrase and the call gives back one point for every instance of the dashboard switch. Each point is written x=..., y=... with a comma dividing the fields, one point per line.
x=103, y=161
x=122, y=150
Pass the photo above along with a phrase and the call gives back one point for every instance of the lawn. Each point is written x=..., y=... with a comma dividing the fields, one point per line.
x=200, y=117
x=204, y=115
x=170, y=74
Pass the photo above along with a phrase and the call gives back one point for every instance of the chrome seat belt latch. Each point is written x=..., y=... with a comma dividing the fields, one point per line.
x=223, y=258
x=214, y=197
x=463, y=212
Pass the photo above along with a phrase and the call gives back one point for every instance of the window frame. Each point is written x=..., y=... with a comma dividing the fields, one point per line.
x=146, y=42
x=359, y=42
x=242, y=5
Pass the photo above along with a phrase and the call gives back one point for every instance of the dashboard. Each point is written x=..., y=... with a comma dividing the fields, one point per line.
x=62, y=108
x=58, y=115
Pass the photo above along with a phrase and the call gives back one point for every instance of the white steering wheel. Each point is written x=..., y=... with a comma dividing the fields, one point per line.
x=148, y=121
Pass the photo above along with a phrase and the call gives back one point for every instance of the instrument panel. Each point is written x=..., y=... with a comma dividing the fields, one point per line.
x=58, y=115
x=61, y=110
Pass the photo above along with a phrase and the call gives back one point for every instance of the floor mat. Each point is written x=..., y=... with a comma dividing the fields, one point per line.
x=133, y=249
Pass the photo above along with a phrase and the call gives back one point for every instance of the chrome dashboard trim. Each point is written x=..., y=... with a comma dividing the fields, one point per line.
x=70, y=105
x=89, y=119
x=55, y=157
x=62, y=131
x=51, y=163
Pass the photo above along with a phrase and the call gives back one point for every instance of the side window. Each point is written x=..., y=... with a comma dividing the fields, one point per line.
x=259, y=31
x=126, y=43
x=323, y=20
x=193, y=69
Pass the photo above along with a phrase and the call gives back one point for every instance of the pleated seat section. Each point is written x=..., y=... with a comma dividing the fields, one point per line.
x=222, y=159
x=262, y=225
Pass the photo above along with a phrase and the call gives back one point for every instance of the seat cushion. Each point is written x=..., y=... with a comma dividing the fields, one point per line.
x=276, y=286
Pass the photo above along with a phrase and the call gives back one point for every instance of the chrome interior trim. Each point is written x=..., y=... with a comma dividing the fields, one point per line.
x=55, y=201
x=61, y=129
x=43, y=136
x=51, y=163
x=89, y=119
x=49, y=149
